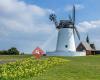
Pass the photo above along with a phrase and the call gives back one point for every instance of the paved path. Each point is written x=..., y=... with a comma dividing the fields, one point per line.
x=7, y=61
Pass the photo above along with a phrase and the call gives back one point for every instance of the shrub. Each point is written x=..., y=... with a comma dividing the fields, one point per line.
x=4, y=52
x=13, y=51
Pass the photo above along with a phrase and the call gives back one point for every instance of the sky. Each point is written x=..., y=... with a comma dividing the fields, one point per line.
x=25, y=24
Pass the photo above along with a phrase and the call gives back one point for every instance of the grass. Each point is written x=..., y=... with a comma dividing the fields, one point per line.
x=8, y=57
x=79, y=68
x=12, y=58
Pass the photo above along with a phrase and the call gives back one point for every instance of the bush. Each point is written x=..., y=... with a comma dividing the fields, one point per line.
x=13, y=51
x=4, y=52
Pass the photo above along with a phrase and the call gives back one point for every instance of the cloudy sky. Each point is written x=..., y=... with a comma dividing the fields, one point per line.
x=24, y=24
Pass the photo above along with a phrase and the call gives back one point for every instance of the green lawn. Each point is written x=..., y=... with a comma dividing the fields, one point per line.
x=79, y=68
x=12, y=58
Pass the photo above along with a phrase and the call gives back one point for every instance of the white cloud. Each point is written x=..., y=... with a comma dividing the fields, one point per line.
x=70, y=7
x=20, y=22
x=19, y=16
x=88, y=25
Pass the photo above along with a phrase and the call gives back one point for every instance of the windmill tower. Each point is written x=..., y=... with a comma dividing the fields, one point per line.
x=66, y=31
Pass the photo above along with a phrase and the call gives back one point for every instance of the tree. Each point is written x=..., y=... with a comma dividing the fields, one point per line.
x=13, y=51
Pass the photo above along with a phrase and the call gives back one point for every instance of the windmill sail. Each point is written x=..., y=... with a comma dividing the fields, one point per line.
x=74, y=27
x=52, y=17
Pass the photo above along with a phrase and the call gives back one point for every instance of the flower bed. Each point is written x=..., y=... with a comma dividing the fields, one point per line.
x=28, y=67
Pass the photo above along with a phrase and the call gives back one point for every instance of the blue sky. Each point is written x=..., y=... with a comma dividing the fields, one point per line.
x=25, y=24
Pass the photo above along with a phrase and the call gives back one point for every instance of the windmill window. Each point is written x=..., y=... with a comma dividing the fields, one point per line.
x=66, y=46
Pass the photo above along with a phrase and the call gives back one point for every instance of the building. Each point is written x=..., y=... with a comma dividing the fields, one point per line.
x=86, y=46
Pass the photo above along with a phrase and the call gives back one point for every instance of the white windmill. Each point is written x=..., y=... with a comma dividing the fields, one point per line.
x=66, y=31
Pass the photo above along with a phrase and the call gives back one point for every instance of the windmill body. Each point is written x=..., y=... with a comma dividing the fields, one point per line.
x=65, y=41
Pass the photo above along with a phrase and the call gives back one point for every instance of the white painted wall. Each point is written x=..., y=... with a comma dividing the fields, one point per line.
x=65, y=37
x=68, y=53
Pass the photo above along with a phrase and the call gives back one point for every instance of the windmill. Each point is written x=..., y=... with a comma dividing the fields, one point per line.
x=66, y=32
